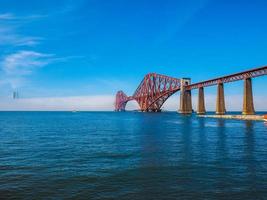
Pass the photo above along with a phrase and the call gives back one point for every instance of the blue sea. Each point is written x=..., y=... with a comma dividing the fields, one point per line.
x=130, y=155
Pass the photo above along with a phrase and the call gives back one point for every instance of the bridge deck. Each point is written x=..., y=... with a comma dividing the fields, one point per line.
x=230, y=78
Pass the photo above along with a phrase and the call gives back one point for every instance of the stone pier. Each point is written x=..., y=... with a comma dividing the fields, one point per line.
x=220, y=102
x=248, y=105
x=185, y=97
x=201, y=102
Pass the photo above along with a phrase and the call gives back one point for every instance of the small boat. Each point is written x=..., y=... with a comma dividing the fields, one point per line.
x=265, y=118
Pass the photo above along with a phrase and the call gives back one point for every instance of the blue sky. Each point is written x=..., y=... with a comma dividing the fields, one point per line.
x=77, y=54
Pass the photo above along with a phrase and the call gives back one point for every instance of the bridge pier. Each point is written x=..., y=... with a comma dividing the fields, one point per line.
x=201, y=102
x=220, y=102
x=185, y=97
x=153, y=110
x=248, y=105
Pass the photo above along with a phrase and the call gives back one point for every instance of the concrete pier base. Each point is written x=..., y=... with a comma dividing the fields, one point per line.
x=185, y=98
x=186, y=102
x=201, y=102
x=239, y=117
x=220, y=102
x=248, y=105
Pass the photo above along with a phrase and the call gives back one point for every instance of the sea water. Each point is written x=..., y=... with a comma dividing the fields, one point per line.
x=130, y=155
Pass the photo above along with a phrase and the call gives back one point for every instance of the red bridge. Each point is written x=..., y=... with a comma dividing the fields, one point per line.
x=155, y=89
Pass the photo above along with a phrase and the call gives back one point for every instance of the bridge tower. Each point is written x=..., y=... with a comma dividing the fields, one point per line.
x=185, y=97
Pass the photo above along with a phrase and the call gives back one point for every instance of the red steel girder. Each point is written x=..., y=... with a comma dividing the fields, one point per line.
x=121, y=101
x=154, y=90
x=230, y=78
x=151, y=93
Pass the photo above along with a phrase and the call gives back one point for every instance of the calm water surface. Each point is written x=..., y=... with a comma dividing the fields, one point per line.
x=106, y=155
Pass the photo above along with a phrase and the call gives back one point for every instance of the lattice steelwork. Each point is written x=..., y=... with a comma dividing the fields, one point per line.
x=121, y=101
x=152, y=92
x=155, y=89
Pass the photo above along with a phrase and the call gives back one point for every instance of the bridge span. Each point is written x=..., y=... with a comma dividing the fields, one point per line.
x=155, y=89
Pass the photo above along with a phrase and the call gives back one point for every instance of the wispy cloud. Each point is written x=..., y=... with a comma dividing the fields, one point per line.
x=22, y=63
x=6, y=16
x=9, y=35
x=17, y=64
x=11, y=16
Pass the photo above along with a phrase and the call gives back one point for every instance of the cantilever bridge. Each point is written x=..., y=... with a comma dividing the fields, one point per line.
x=155, y=89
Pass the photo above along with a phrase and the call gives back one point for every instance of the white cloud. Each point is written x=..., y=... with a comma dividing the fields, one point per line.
x=90, y=103
x=9, y=38
x=106, y=103
x=11, y=16
x=22, y=63
x=9, y=24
